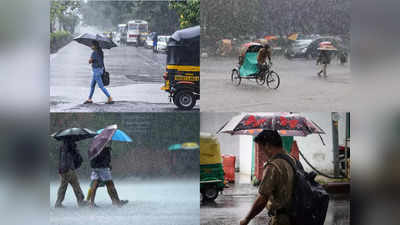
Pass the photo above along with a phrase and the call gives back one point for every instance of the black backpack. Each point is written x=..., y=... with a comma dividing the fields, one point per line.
x=309, y=199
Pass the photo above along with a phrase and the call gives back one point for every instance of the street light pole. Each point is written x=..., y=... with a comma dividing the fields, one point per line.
x=335, y=142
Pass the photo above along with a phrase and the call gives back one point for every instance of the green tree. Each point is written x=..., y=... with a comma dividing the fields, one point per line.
x=188, y=11
x=66, y=12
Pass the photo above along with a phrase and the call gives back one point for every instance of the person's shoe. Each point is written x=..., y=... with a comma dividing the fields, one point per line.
x=319, y=73
x=59, y=206
x=110, y=101
x=88, y=102
x=120, y=203
x=83, y=203
x=92, y=206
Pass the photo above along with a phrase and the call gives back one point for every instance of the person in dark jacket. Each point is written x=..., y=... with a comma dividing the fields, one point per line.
x=155, y=40
x=101, y=172
x=324, y=58
x=66, y=169
x=137, y=40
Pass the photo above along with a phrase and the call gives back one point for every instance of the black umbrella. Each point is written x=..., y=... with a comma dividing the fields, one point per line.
x=86, y=39
x=101, y=140
x=74, y=134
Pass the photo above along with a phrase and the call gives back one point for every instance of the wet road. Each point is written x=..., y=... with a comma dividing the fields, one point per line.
x=135, y=74
x=233, y=206
x=150, y=203
x=300, y=88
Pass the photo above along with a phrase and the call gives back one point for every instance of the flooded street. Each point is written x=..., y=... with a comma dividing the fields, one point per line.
x=236, y=202
x=150, y=202
x=300, y=87
x=135, y=80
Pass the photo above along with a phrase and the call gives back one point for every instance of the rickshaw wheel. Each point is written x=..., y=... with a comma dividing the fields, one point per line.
x=235, y=77
x=273, y=80
x=210, y=193
x=260, y=79
x=185, y=100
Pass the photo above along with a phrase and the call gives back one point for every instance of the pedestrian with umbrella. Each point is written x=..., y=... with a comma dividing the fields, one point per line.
x=100, y=162
x=324, y=57
x=97, y=43
x=69, y=161
x=290, y=194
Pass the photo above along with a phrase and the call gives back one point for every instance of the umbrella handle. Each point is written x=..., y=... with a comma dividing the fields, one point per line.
x=322, y=140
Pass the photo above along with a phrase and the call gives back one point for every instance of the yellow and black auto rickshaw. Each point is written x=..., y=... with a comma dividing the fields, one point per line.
x=182, y=76
x=211, y=168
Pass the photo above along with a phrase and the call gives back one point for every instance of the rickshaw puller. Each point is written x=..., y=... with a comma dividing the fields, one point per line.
x=263, y=54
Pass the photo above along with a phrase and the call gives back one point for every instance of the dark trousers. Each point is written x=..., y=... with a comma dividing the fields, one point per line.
x=71, y=178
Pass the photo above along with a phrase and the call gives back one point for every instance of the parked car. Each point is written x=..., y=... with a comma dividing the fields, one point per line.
x=308, y=48
x=298, y=49
x=162, y=43
x=149, y=42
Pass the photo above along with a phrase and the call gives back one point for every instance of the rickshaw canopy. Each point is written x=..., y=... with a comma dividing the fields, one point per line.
x=184, y=47
x=210, y=152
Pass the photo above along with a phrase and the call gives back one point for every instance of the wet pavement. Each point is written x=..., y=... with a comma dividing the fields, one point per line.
x=300, y=87
x=135, y=74
x=235, y=202
x=152, y=202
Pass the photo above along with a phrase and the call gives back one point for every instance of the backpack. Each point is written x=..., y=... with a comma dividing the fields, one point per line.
x=77, y=159
x=309, y=199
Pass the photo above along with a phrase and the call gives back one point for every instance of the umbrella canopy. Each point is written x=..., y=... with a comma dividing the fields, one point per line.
x=327, y=46
x=119, y=135
x=286, y=124
x=184, y=146
x=187, y=34
x=271, y=37
x=293, y=36
x=74, y=134
x=86, y=39
x=101, y=140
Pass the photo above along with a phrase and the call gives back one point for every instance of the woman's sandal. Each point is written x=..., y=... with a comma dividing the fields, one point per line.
x=88, y=102
x=110, y=102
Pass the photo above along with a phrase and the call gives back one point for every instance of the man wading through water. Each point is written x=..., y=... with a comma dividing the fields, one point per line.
x=101, y=172
x=66, y=169
x=276, y=187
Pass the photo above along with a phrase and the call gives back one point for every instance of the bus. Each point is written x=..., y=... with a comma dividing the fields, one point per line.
x=135, y=28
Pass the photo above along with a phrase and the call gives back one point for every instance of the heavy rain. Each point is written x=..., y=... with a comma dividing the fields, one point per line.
x=145, y=171
x=294, y=30
x=136, y=66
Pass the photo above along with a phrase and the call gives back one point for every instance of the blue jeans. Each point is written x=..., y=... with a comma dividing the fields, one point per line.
x=97, y=72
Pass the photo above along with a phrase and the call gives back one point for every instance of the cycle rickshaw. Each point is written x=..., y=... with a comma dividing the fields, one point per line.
x=248, y=69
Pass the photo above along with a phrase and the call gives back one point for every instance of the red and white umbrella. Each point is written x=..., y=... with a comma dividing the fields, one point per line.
x=286, y=124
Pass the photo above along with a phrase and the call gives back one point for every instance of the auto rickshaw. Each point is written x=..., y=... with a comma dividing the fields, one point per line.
x=182, y=76
x=248, y=69
x=211, y=169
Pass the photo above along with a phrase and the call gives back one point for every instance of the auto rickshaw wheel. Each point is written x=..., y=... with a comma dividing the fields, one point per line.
x=235, y=77
x=273, y=80
x=185, y=100
x=210, y=193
